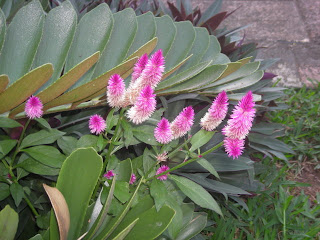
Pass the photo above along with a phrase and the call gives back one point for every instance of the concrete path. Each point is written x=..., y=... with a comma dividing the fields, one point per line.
x=285, y=29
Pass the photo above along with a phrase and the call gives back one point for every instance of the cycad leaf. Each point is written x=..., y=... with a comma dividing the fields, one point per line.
x=22, y=39
x=92, y=35
x=146, y=48
x=4, y=81
x=63, y=83
x=25, y=86
x=58, y=32
x=2, y=28
x=213, y=50
x=166, y=32
x=123, y=33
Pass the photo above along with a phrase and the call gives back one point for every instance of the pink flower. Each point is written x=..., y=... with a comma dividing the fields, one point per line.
x=115, y=91
x=109, y=174
x=234, y=147
x=96, y=124
x=132, y=178
x=139, y=66
x=240, y=123
x=183, y=122
x=161, y=170
x=153, y=70
x=144, y=106
x=162, y=157
x=216, y=113
x=33, y=107
x=162, y=132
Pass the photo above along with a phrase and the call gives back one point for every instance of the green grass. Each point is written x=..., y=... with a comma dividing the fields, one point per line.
x=302, y=119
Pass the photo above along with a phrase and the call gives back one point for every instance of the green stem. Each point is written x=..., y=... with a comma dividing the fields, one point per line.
x=19, y=142
x=31, y=206
x=186, y=162
x=178, y=148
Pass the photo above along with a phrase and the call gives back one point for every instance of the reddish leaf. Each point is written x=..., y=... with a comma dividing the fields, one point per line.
x=213, y=23
x=175, y=12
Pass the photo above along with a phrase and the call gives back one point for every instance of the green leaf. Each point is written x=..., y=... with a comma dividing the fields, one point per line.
x=196, y=193
x=47, y=155
x=222, y=163
x=2, y=29
x=25, y=86
x=200, y=139
x=159, y=193
x=144, y=133
x=34, y=166
x=58, y=32
x=41, y=137
x=166, y=32
x=125, y=231
x=208, y=166
x=121, y=191
x=6, y=146
x=127, y=132
x=67, y=144
x=4, y=81
x=36, y=237
x=4, y=191
x=8, y=123
x=122, y=36
x=213, y=50
x=8, y=223
x=92, y=35
x=22, y=39
x=77, y=185
x=148, y=161
x=88, y=141
x=17, y=193
x=195, y=226
x=124, y=170
x=44, y=123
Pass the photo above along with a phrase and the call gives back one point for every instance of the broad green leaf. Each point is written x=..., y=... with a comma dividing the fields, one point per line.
x=127, y=132
x=36, y=237
x=200, y=139
x=222, y=163
x=224, y=187
x=195, y=226
x=166, y=32
x=21, y=42
x=35, y=167
x=87, y=141
x=77, y=196
x=213, y=50
x=144, y=133
x=176, y=67
x=91, y=87
x=145, y=32
x=182, y=44
x=181, y=77
x=231, y=68
x=4, y=81
x=43, y=123
x=60, y=208
x=9, y=220
x=121, y=191
x=58, y=32
x=148, y=161
x=25, y=86
x=46, y=155
x=208, y=166
x=125, y=231
x=213, y=9
x=239, y=96
x=122, y=36
x=67, y=144
x=92, y=35
x=124, y=170
x=17, y=193
x=147, y=48
x=64, y=82
x=176, y=223
x=221, y=59
x=4, y=191
x=199, y=48
x=151, y=223
x=41, y=137
x=159, y=193
x=2, y=29
x=196, y=193
x=6, y=146
x=8, y=123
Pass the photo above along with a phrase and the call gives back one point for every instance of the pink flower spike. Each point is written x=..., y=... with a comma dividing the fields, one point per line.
x=144, y=106
x=115, y=91
x=33, y=108
x=183, y=122
x=161, y=170
x=109, y=174
x=234, y=147
x=154, y=69
x=241, y=119
x=216, y=113
x=132, y=179
x=96, y=124
x=162, y=132
x=139, y=66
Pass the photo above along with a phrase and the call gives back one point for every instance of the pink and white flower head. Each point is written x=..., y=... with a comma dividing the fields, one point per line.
x=133, y=178
x=182, y=123
x=163, y=132
x=162, y=157
x=109, y=174
x=33, y=107
x=97, y=124
x=144, y=106
x=152, y=73
x=216, y=113
x=234, y=147
x=139, y=67
x=115, y=91
x=162, y=169
x=240, y=122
